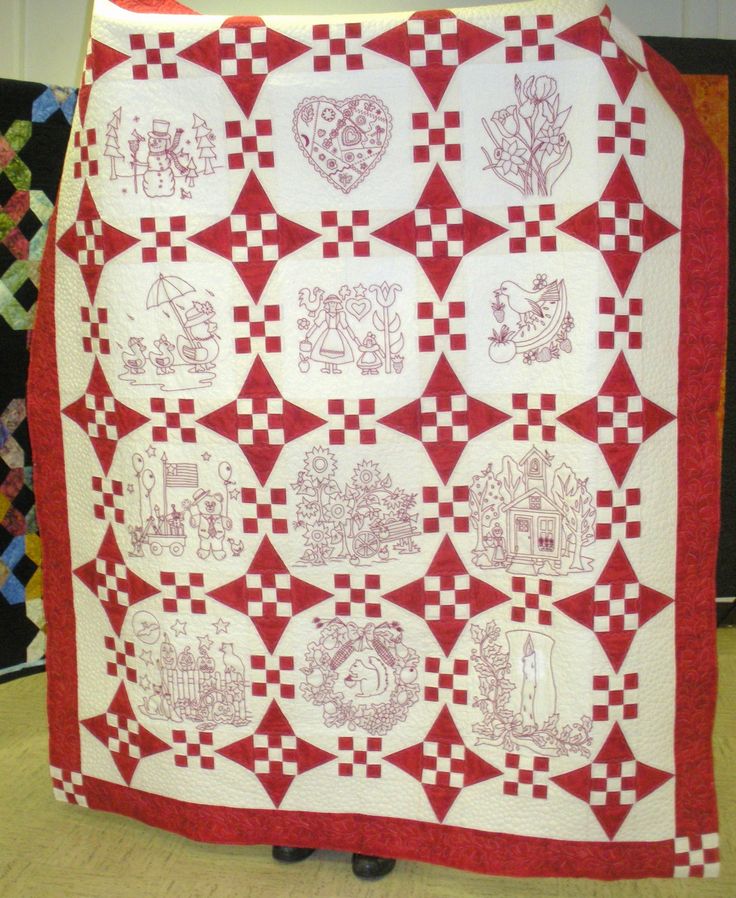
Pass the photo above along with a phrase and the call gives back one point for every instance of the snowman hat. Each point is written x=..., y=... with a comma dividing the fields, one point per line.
x=160, y=128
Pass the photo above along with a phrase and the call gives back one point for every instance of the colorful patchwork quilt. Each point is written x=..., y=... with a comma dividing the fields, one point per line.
x=374, y=401
x=34, y=130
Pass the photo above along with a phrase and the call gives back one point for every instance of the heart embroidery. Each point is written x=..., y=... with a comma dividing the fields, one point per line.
x=358, y=308
x=343, y=139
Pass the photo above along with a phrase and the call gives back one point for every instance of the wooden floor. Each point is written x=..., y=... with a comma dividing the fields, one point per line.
x=54, y=850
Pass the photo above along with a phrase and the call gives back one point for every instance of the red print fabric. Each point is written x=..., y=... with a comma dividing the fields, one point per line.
x=373, y=400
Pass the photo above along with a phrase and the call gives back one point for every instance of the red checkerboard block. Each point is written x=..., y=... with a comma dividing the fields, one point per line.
x=444, y=418
x=264, y=510
x=120, y=659
x=102, y=418
x=697, y=856
x=68, y=785
x=529, y=38
x=620, y=322
x=108, y=503
x=247, y=143
x=260, y=419
x=357, y=596
x=441, y=326
x=346, y=233
x=95, y=339
x=436, y=136
x=255, y=237
x=433, y=42
x=612, y=783
x=446, y=597
x=92, y=250
x=621, y=129
x=359, y=756
x=196, y=749
x=533, y=416
x=532, y=228
x=180, y=593
x=621, y=225
x=443, y=764
x=620, y=419
x=268, y=595
x=275, y=755
x=273, y=676
x=614, y=697
x=440, y=233
x=153, y=56
x=258, y=329
x=526, y=776
x=446, y=509
x=351, y=421
x=446, y=681
x=535, y=601
x=618, y=514
x=337, y=47
x=85, y=163
x=162, y=239
x=615, y=607
x=173, y=418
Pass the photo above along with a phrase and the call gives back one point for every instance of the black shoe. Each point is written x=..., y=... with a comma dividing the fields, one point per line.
x=288, y=855
x=368, y=866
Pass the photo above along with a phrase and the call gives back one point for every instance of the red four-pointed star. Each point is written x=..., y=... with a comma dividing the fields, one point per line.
x=439, y=232
x=613, y=783
x=117, y=587
x=127, y=740
x=91, y=242
x=616, y=608
x=620, y=226
x=102, y=417
x=433, y=44
x=275, y=754
x=593, y=34
x=442, y=764
x=619, y=419
x=447, y=596
x=444, y=418
x=269, y=595
x=243, y=51
x=254, y=237
x=260, y=420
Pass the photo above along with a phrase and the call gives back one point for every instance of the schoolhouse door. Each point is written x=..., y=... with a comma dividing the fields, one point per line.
x=522, y=535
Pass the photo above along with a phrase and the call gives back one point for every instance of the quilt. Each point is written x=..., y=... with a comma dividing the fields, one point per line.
x=34, y=130
x=375, y=401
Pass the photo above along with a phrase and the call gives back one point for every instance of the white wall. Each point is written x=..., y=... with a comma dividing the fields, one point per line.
x=43, y=40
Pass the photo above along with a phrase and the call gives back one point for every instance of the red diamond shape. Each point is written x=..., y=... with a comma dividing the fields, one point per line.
x=590, y=419
x=447, y=596
x=407, y=43
x=275, y=754
x=444, y=418
x=102, y=417
x=436, y=748
x=590, y=225
x=438, y=209
x=613, y=783
x=260, y=420
x=615, y=608
x=254, y=237
x=269, y=594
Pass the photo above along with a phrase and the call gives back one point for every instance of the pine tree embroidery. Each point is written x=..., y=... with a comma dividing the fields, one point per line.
x=205, y=144
x=112, y=147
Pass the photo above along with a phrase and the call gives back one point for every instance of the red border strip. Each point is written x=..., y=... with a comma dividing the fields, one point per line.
x=703, y=323
x=45, y=422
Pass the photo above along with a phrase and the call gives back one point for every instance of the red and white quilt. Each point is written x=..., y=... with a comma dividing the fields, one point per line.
x=374, y=407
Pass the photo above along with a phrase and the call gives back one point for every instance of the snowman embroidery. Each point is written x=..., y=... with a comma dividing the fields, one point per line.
x=161, y=157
